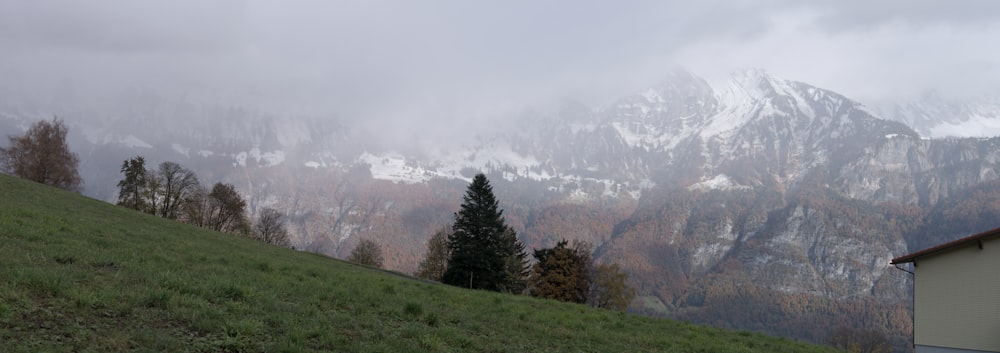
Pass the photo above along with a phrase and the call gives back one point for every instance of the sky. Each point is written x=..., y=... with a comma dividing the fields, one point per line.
x=409, y=63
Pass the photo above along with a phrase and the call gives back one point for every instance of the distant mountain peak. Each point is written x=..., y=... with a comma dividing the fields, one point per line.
x=749, y=76
x=758, y=83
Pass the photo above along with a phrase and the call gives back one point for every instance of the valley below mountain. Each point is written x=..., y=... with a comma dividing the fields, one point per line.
x=766, y=205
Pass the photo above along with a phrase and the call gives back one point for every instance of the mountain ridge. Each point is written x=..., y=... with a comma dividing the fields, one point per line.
x=796, y=194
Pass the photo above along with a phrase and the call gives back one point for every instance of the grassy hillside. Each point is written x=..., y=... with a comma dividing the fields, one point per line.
x=81, y=275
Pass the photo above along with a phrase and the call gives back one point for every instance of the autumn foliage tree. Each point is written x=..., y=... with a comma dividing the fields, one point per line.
x=567, y=273
x=43, y=156
x=562, y=273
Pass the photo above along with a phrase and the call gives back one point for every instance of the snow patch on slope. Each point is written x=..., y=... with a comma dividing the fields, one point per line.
x=647, y=136
x=491, y=156
x=99, y=137
x=133, y=142
x=181, y=149
x=718, y=182
x=395, y=167
x=264, y=159
x=738, y=105
x=976, y=126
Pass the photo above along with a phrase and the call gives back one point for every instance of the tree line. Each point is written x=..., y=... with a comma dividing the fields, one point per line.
x=174, y=192
x=479, y=251
x=171, y=191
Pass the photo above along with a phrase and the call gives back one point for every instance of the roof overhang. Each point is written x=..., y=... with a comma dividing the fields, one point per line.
x=972, y=239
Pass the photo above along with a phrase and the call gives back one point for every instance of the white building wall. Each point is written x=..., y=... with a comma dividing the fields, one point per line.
x=957, y=300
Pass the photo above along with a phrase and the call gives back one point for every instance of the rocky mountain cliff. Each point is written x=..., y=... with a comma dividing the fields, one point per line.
x=767, y=193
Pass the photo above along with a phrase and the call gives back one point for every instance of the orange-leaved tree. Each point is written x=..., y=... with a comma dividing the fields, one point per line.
x=43, y=156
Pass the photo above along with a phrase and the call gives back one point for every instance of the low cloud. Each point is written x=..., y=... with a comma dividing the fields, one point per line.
x=402, y=66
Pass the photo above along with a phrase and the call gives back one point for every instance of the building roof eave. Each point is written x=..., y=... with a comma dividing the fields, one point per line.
x=975, y=238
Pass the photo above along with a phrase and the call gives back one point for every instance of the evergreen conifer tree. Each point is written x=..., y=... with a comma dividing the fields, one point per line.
x=485, y=252
x=132, y=189
x=516, y=264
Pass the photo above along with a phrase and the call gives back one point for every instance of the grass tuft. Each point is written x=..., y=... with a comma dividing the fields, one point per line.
x=229, y=292
x=413, y=309
x=158, y=299
x=432, y=320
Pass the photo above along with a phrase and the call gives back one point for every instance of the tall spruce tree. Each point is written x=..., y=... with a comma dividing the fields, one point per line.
x=485, y=252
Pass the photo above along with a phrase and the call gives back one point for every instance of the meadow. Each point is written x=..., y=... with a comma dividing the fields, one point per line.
x=82, y=275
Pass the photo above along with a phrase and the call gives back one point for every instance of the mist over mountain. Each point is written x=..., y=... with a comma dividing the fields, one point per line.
x=935, y=116
x=763, y=203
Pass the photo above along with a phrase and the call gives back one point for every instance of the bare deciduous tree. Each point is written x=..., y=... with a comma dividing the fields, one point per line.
x=222, y=209
x=367, y=253
x=196, y=210
x=43, y=156
x=177, y=185
x=270, y=227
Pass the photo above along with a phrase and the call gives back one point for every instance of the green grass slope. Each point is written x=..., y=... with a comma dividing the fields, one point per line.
x=80, y=275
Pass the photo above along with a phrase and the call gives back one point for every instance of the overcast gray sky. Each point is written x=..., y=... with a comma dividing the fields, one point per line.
x=408, y=61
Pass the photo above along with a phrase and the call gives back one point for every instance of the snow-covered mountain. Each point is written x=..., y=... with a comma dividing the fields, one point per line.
x=935, y=116
x=758, y=130
x=764, y=188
